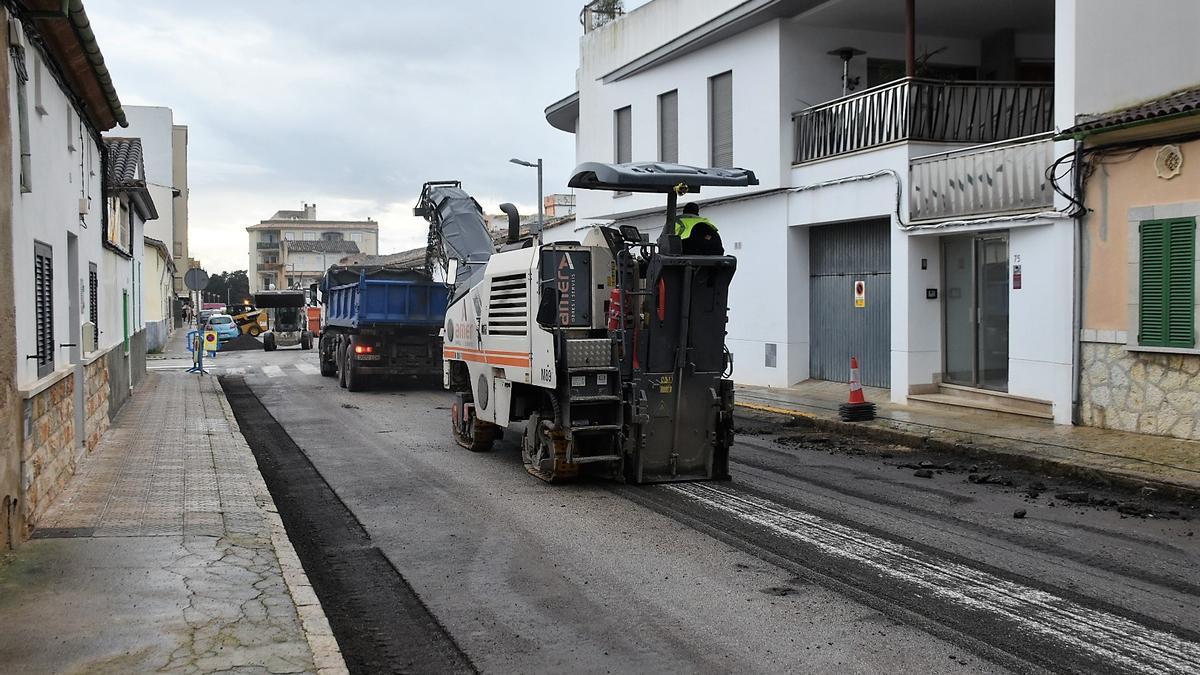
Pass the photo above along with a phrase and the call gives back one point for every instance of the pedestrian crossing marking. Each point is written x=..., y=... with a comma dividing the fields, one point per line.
x=308, y=369
x=272, y=371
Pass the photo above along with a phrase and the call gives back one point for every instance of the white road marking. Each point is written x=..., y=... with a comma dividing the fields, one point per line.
x=1115, y=639
x=238, y=370
x=308, y=369
x=272, y=371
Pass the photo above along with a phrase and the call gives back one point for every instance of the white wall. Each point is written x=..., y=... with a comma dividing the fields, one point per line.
x=60, y=177
x=753, y=56
x=1126, y=52
x=154, y=125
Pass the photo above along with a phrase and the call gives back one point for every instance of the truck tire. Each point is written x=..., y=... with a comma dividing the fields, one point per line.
x=306, y=341
x=353, y=382
x=328, y=368
x=269, y=342
x=342, y=364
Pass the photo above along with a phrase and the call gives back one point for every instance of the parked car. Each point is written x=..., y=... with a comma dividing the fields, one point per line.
x=224, y=325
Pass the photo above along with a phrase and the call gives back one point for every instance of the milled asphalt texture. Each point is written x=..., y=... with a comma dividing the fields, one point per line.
x=380, y=623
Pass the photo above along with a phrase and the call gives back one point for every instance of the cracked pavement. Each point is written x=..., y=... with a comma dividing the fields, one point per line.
x=165, y=554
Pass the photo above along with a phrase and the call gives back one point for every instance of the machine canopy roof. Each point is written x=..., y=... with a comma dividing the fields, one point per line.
x=265, y=299
x=656, y=177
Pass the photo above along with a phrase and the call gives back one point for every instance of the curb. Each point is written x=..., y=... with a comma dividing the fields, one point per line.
x=1116, y=478
x=327, y=655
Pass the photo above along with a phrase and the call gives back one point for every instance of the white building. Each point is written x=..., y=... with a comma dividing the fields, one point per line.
x=69, y=273
x=164, y=152
x=292, y=249
x=921, y=175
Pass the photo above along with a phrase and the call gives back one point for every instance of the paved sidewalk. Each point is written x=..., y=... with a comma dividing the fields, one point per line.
x=164, y=554
x=1121, y=458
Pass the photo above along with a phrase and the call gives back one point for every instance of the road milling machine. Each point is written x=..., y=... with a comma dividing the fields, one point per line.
x=610, y=349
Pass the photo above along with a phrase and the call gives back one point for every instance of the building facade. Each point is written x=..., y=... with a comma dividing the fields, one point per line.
x=292, y=249
x=905, y=213
x=68, y=274
x=164, y=152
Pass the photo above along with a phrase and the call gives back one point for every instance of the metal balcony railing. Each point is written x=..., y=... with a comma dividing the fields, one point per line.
x=915, y=109
x=268, y=245
x=1004, y=177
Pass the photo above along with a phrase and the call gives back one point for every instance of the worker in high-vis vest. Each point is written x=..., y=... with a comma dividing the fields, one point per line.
x=699, y=235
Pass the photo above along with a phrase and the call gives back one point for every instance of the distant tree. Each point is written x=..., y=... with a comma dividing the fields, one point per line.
x=215, y=290
x=238, y=283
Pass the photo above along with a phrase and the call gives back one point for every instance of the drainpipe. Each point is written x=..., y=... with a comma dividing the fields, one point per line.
x=1077, y=295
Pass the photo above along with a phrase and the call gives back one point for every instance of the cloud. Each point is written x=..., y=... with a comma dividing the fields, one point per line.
x=351, y=106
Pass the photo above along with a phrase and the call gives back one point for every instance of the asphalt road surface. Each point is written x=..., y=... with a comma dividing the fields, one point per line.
x=823, y=554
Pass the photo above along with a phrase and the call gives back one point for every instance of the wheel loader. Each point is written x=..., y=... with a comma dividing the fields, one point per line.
x=609, y=350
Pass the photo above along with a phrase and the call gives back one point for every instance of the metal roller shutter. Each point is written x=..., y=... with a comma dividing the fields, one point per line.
x=840, y=256
x=720, y=119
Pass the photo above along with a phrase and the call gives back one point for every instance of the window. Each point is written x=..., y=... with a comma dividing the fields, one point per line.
x=356, y=237
x=94, y=304
x=43, y=307
x=310, y=236
x=720, y=120
x=331, y=236
x=622, y=135
x=288, y=236
x=1167, y=288
x=668, y=127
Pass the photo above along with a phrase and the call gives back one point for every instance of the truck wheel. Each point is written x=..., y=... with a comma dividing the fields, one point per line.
x=328, y=368
x=342, y=364
x=269, y=342
x=353, y=382
x=306, y=341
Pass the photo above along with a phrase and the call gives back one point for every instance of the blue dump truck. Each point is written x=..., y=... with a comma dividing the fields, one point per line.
x=381, y=321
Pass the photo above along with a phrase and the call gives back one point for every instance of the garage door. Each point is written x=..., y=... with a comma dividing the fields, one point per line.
x=840, y=257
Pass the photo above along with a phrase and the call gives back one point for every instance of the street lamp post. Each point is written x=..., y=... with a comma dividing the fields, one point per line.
x=541, y=216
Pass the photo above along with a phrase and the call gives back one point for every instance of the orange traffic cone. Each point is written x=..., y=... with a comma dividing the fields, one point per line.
x=857, y=409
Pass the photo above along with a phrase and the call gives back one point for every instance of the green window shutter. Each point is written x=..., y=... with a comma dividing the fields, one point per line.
x=1181, y=283
x=1152, y=299
x=1167, y=297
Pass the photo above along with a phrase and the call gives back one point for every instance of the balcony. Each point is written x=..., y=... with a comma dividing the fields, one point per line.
x=1004, y=177
x=268, y=246
x=916, y=109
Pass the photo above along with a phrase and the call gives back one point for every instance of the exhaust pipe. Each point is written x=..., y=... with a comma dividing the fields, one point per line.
x=514, y=222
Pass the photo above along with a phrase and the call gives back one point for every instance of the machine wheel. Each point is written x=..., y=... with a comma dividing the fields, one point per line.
x=306, y=341
x=473, y=434
x=328, y=368
x=269, y=342
x=255, y=331
x=544, y=451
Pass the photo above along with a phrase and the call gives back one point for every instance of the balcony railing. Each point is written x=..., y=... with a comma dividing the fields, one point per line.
x=914, y=109
x=268, y=245
x=1004, y=177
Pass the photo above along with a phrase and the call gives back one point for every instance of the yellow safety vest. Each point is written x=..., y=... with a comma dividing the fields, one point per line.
x=684, y=225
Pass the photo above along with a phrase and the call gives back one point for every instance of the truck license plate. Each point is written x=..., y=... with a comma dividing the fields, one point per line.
x=367, y=357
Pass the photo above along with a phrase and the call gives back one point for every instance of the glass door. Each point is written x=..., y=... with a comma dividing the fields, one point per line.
x=975, y=291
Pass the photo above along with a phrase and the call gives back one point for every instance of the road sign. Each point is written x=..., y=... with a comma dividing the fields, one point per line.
x=196, y=279
x=210, y=341
x=860, y=294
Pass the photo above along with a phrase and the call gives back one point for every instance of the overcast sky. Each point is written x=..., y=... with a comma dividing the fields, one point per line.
x=349, y=105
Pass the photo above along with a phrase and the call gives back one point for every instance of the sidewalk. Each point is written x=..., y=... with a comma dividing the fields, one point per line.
x=1121, y=458
x=165, y=553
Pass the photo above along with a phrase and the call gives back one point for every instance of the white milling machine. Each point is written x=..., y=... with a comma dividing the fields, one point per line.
x=611, y=350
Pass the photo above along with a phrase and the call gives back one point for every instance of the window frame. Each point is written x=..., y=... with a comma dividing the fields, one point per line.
x=1164, y=333
x=663, y=156
x=617, y=145
x=713, y=159
x=43, y=314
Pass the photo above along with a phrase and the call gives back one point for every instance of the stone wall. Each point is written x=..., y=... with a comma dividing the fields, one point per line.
x=50, y=449
x=95, y=402
x=1140, y=391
